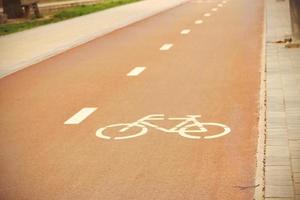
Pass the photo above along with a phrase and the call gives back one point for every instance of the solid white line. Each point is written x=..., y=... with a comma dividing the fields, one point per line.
x=207, y=14
x=198, y=22
x=185, y=31
x=214, y=9
x=166, y=47
x=136, y=71
x=80, y=116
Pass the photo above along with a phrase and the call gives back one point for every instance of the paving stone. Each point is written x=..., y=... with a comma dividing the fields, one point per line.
x=295, y=127
x=297, y=189
x=278, y=171
x=278, y=136
x=279, y=180
x=277, y=130
x=278, y=161
x=294, y=136
x=296, y=177
x=278, y=191
x=280, y=151
x=275, y=114
x=295, y=153
x=296, y=165
x=294, y=144
x=294, y=131
x=277, y=142
x=282, y=163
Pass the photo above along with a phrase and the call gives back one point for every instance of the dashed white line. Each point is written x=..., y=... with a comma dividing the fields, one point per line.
x=214, y=9
x=220, y=5
x=199, y=22
x=207, y=14
x=185, y=31
x=166, y=47
x=136, y=71
x=80, y=116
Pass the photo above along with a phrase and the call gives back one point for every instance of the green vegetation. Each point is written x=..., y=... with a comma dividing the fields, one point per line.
x=63, y=15
x=47, y=1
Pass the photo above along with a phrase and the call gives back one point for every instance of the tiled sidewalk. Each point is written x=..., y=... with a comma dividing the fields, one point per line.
x=25, y=48
x=282, y=167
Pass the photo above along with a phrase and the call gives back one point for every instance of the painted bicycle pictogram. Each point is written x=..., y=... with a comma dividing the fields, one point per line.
x=189, y=127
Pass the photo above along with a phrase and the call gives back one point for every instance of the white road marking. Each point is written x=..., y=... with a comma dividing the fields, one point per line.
x=207, y=14
x=81, y=115
x=220, y=5
x=166, y=47
x=225, y=132
x=189, y=127
x=136, y=71
x=185, y=31
x=199, y=22
x=214, y=9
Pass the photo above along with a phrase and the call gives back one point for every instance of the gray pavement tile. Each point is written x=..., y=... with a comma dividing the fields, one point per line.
x=281, y=136
x=275, y=114
x=277, y=161
x=279, y=198
x=276, y=142
x=282, y=130
x=295, y=153
x=283, y=107
x=291, y=119
x=296, y=177
x=276, y=119
x=278, y=171
x=293, y=122
x=280, y=151
x=279, y=109
x=278, y=191
x=294, y=130
x=275, y=106
x=293, y=127
x=279, y=180
x=275, y=100
x=294, y=136
x=295, y=165
x=276, y=125
x=294, y=144
x=297, y=189
x=276, y=134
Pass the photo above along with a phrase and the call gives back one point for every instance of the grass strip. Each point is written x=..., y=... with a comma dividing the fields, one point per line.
x=63, y=15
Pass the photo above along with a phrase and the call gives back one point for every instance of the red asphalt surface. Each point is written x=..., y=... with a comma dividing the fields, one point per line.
x=214, y=71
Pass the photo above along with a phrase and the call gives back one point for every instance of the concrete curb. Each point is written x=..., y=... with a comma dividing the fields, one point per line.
x=261, y=150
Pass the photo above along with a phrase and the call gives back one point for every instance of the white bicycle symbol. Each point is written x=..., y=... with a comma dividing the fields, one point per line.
x=189, y=126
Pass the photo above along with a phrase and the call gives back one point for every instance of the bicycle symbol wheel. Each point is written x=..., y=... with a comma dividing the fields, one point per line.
x=121, y=129
x=185, y=132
